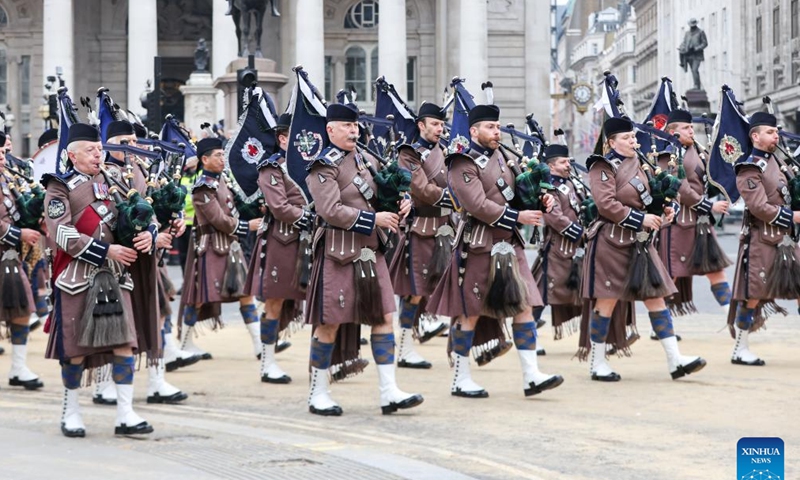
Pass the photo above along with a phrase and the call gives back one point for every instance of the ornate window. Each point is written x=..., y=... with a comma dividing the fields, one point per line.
x=360, y=73
x=363, y=14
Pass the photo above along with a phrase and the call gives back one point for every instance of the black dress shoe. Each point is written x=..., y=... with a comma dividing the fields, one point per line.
x=540, y=323
x=335, y=411
x=182, y=362
x=433, y=333
x=35, y=325
x=653, y=336
x=100, y=400
x=409, y=402
x=473, y=394
x=755, y=363
x=496, y=351
x=548, y=384
x=74, y=433
x=176, y=397
x=420, y=365
x=280, y=380
x=611, y=377
x=33, y=384
x=692, y=367
x=140, y=429
x=280, y=346
x=364, y=341
x=541, y=353
x=2, y=350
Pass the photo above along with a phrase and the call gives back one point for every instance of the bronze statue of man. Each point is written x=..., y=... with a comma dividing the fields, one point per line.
x=691, y=51
x=242, y=11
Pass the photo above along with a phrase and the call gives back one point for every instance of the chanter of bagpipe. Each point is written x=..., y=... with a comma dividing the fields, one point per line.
x=28, y=197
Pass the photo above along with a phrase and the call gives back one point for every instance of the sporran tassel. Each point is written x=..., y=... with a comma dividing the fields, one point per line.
x=442, y=252
x=707, y=256
x=643, y=280
x=302, y=271
x=15, y=298
x=235, y=272
x=506, y=296
x=368, y=304
x=783, y=280
x=104, y=324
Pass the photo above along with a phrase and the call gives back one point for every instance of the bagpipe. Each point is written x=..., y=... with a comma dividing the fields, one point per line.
x=789, y=171
x=663, y=185
x=393, y=181
x=588, y=208
x=28, y=197
x=134, y=213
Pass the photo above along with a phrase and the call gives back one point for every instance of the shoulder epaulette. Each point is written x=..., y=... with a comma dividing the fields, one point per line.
x=71, y=179
x=206, y=181
x=272, y=161
x=751, y=161
x=331, y=156
x=614, y=162
x=453, y=156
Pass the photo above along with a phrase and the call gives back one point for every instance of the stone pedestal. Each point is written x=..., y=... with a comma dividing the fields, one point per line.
x=268, y=80
x=697, y=101
x=200, y=101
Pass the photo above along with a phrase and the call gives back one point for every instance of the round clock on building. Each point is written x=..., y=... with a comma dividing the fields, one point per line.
x=582, y=95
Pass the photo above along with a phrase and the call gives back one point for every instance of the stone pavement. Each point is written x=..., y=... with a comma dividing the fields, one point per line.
x=234, y=426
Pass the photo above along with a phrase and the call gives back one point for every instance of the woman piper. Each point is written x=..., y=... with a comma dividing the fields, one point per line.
x=621, y=261
x=278, y=264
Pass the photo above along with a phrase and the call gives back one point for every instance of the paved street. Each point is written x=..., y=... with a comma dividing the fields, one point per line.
x=233, y=426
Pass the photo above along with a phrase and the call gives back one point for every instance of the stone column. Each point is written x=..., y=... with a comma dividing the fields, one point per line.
x=58, y=40
x=392, y=56
x=142, y=48
x=474, y=40
x=537, y=81
x=310, y=41
x=224, y=49
x=441, y=46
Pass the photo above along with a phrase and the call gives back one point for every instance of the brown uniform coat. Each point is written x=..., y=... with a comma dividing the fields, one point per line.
x=216, y=226
x=66, y=202
x=563, y=238
x=348, y=227
x=677, y=240
x=472, y=178
x=273, y=263
x=613, y=235
x=409, y=268
x=10, y=238
x=767, y=220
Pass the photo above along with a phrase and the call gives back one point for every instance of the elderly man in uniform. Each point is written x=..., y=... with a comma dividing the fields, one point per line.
x=17, y=302
x=768, y=256
x=427, y=245
x=93, y=320
x=278, y=262
x=216, y=270
x=350, y=280
x=689, y=245
x=557, y=270
x=489, y=274
x=148, y=310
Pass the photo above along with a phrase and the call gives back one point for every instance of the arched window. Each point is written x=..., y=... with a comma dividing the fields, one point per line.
x=355, y=70
x=3, y=18
x=363, y=14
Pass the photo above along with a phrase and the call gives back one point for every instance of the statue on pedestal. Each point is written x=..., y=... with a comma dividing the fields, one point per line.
x=691, y=51
x=201, y=56
x=242, y=12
